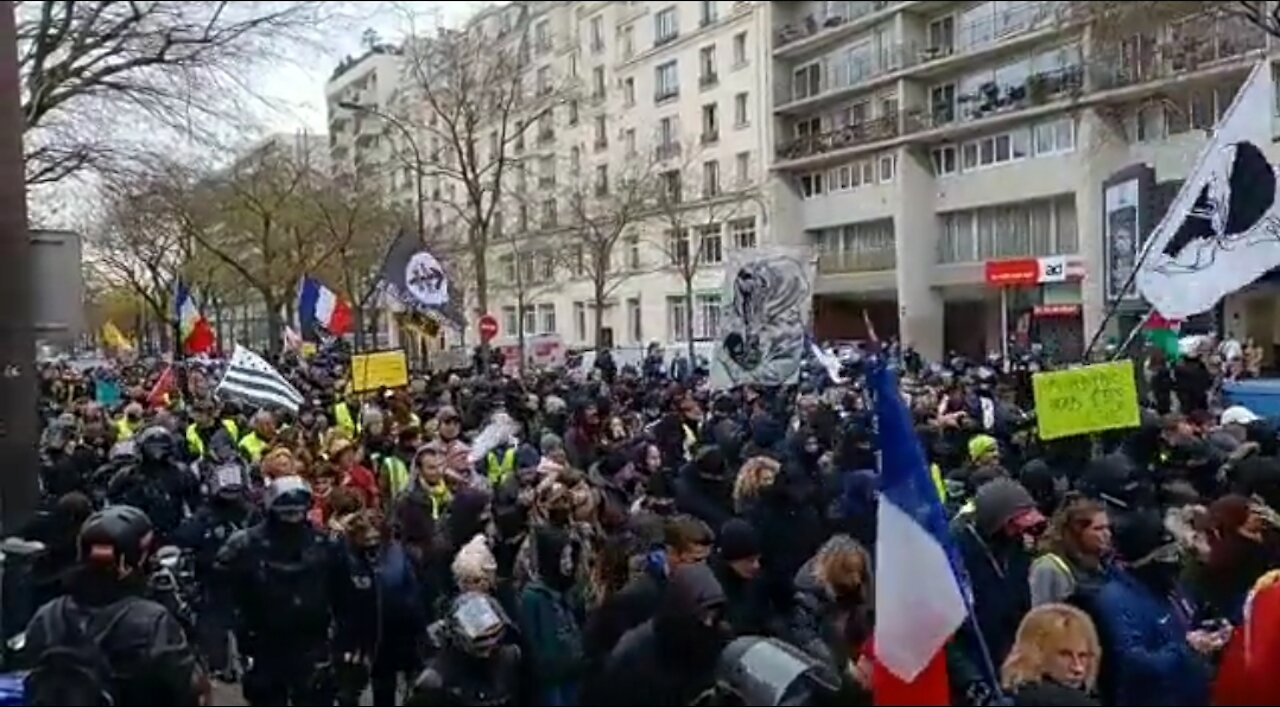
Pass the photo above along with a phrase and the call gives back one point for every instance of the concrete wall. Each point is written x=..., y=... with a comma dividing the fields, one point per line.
x=59, y=287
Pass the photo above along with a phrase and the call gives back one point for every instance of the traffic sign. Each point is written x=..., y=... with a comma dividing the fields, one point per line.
x=488, y=326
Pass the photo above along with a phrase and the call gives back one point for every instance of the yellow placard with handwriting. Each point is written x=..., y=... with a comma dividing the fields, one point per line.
x=1088, y=399
x=383, y=369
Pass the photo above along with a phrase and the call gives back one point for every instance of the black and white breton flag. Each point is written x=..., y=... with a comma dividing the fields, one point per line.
x=251, y=379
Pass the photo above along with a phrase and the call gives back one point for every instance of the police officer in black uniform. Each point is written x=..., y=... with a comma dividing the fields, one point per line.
x=476, y=665
x=104, y=615
x=158, y=484
x=281, y=573
x=225, y=511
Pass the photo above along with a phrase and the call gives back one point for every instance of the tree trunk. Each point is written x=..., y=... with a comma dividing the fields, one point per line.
x=275, y=325
x=688, y=319
x=358, y=316
x=482, y=279
x=520, y=329
x=599, y=315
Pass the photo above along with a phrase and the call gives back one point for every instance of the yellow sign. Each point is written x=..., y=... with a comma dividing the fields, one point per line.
x=384, y=369
x=1089, y=399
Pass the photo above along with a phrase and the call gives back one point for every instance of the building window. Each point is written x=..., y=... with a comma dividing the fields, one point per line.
x=530, y=320
x=742, y=232
x=546, y=171
x=627, y=42
x=542, y=35
x=710, y=124
x=509, y=323
x=708, y=13
x=665, y=28
x=942, y=101
x=677, y=319
x=522, y=217
x=739, y=50
x=549, y=213
x=544, y=80
x=602, y=138
x=602, y=179
x=812, y=185
x=507, y=265
x=634, y=327
x=666, y=81
x=629, y=91
x=575, y=160
x=742, y=168
x=806, y=81
x=888, y=167
x=1035, y=228
x=708, y=319
x=678, y=246
x=580, y=321
x=707, y=74
x=710, y=245
x=629, y=141
x=672, y=186
x=632, y=252
x=547, y=318
x=942, y=37
x=597, y=82
x=710, y=179
x=597, y=34
x=666, y=131
x=579, y=261
x=573, y=111
x=1055, y=137
x=944, y=160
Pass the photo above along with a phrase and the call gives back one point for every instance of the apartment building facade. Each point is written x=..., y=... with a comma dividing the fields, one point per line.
x=662, y=93
x=959, y=167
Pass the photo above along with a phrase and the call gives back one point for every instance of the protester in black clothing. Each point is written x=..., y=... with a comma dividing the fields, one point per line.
x=736, y=563
x=669, y=659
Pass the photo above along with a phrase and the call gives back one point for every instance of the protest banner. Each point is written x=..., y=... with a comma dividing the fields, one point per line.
x=381, y=369
x=1087, y=399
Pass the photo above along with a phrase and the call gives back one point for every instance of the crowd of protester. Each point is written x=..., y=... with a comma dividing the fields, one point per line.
x=598, y=537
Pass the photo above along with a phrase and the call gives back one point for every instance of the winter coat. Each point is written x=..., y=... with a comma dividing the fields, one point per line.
x=999, y=574
x=1047, y=693
x=377, y=608
x=634, y=604
x=699, y=498
x=821, y=626
x=790, y=532
x=746, y=600
x=550, y=622
x=1144, y=646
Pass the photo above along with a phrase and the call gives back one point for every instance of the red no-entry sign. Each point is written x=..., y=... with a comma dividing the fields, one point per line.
x=488, y=326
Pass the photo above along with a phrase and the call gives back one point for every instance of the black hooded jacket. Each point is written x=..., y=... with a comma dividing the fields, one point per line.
x=670, y=659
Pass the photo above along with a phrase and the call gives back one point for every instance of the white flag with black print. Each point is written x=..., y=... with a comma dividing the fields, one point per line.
x=251, y=379
x=1223, y=229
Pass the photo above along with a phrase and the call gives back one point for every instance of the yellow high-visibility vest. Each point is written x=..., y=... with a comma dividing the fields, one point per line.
x=498, y=471
x=253, y=446
x=123, y=429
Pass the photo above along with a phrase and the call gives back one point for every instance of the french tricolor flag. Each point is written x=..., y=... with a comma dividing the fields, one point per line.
x=318, y=305
x=919, y=601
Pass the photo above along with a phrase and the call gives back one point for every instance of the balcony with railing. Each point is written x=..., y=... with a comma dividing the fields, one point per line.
x=866, y=132
x=856, y=261
x=1003, y=24
x=993, y=99
x=839, y=75
x=1191, y=46
x=666, y=150
x=799, y=34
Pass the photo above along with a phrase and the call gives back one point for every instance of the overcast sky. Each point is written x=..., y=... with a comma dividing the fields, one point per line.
x=296, y=88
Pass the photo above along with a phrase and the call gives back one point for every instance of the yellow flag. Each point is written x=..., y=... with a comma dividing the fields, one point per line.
x=112, y=337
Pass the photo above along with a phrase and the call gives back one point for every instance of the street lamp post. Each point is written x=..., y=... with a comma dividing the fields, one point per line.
x=413, y=145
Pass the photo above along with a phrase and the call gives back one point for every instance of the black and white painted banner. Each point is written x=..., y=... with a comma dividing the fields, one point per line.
x=767, y=296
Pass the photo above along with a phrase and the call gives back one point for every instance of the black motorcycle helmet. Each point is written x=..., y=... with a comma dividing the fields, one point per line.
x=119, y=536
x=155, y=444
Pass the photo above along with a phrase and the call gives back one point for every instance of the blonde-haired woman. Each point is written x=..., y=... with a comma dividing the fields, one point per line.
x=756, y=475
x=1055, y=658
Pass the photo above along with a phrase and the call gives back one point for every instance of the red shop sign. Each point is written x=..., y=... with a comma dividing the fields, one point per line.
x=1012, y=273
x=1056, y=310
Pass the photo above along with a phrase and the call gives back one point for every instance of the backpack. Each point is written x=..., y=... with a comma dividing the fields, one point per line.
x=74, y=669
